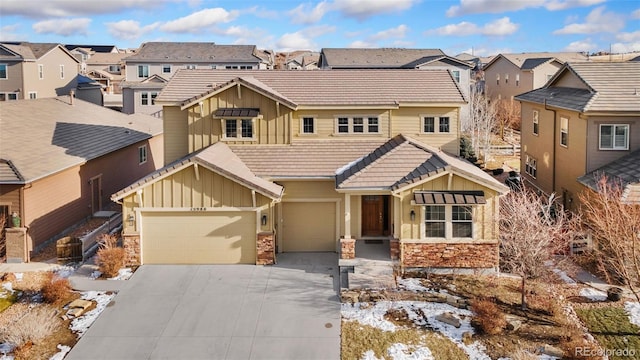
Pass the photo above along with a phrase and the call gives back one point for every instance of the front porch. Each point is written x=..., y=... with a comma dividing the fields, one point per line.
x=371, y=266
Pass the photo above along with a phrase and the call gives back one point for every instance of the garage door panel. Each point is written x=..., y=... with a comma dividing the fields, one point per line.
x=309, y=226
x=199, y=238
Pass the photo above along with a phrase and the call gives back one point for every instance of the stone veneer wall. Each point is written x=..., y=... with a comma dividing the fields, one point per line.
x=347, y=248
x=131, y=245
x=394, y=249
x=265, y=249
x=450, y=255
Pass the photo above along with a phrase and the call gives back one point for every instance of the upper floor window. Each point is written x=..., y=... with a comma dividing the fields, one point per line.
x=444, y=125
x=40, y=71
x=61, y=71
x=238, y=129
x=190, y=67
x=429, y=124
x=517, y=79
x=143, y=71
x=531, y=166
x=308, y=125
x=497, y=79
x=456, y=75
x=536, y=128
x=564, y=131
x=166, y=68
x=142, y=154
x=148, y=98
x=358, y=125
x=506, y=78
x=114, y=68
x=3, y=71
x=614, y=137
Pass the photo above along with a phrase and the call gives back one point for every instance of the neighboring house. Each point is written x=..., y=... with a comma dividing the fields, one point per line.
x=508, y=75
x=624, y=172
x=586, y=117
x=302, y=60
x=60, y=158
x=263, y=162
x=140, y=97
x=161, y=60
x=36, y=70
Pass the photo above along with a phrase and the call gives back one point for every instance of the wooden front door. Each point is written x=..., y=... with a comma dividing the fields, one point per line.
x=373, y=214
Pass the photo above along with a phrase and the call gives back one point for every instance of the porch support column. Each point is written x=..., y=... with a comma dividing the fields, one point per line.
x=347, y=216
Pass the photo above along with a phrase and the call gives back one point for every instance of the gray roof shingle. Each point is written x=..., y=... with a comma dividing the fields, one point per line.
x=196, y=52
x=352, y=58
x=324, y=87
x=624, y=171
x=44, y=136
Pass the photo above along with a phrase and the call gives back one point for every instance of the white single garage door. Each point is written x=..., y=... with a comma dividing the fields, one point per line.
x=309, y=226
x=199, y=237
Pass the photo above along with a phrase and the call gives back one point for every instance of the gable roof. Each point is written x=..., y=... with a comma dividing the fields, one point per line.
x=106, y=58
x=32, y=51
x=402, y=162
x=624, y=171
x=324, y=87
x=384, y=58
x=529, y=61
x=96, y=48
x=218, y=158
x=195, y=52
x=44, y=136
x=9, y=174
x=613, y=86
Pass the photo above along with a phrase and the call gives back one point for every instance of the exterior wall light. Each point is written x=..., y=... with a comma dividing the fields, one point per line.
x=412, y=215
x=131, y=219
x=263, y=220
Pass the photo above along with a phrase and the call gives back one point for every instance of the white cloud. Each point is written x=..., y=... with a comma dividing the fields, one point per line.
x=9, y=32
x=68, y=8
x=596, y=21
x=306, y=14
x=483, y=51
x=625, y=47
x=261, y=12
x=467, y=7
x=359, y=44
x=500, y=27
x=295, y=41
x=63, y=27
x=129, y=29
x=635, y=14
x=629, y=36
x=244, y=35
x=581, y=45
x=315, y=31
x=363, y=9
x=398, y=32
x=195, y=22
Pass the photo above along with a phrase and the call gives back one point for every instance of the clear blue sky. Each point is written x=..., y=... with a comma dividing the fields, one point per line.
x=455, y=26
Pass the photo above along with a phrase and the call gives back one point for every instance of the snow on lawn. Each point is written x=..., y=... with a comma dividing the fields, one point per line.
x=564, y=277
x=373, y=315
x=593, y=294
x=123, y=274
x=399, y=351
x=64, y=349
x=81, y=324
x=633, y=309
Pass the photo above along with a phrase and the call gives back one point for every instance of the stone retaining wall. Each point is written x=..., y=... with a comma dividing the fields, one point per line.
x=347, y=248
x=265, y=249
x=131, y=245
x=450, y=255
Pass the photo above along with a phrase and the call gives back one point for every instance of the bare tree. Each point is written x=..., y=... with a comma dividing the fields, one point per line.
x=533, y=230
x=615, y=229
x=507, y=115
x=482, y=119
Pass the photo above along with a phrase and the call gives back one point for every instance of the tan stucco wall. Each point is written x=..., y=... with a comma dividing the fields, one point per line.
x=503, y=90
x=596, y=157
x=538, y=146
x=51, y=85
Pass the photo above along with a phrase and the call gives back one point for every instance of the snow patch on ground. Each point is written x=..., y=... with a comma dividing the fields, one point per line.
x=564, y=277
x=81, y=324
x=403, y=352
x=8, y=287
x=96, y=274
x=593, y=294
x=123, y=274
x=412, y=284
x=422, y=314
x=633, y=309
x=64, y=349
x=65, y=271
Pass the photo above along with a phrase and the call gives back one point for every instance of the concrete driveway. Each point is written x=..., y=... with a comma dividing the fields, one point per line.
x=287, y=311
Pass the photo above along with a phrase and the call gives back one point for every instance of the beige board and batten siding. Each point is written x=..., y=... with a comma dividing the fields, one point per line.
x=409, y=121
x=310, y=216
x=326, y=121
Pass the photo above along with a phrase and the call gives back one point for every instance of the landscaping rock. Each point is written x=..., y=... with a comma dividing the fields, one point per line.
x=513, y=324
x=80, y=303
x=467, y=337
x=552, y=351
x=75, y=312
x=614, y=293
x=449, y=318
x=350, y=297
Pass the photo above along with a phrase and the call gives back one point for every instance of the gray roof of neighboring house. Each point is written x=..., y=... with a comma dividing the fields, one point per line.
x=353, y=58
x=324, y=87
x=153, y=82
x=529, y=61
x=217, y=157
x=44, y=136
x=96, y=48
x=30, y=51
x=196, y=52
x=624, y=171
x=612, y=86
x=106, y=58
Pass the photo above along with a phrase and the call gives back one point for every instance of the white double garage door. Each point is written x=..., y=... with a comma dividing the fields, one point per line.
x=229, y=237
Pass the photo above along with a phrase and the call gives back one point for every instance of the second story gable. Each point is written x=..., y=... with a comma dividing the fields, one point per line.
x=202, y=107
x=36, y=70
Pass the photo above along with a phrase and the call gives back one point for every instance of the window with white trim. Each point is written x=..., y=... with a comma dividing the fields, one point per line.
x=448, y=221
x=358, y=125
x=142, y=154
x=429, y=124
x=564, y=131
x=456, y=75
x=190, y=67
x=240, y=129
x=114, y=68
x=614, y=137
x=517, y=79
x=531, y=166
x=536, y=125
x=148, y=98
x=506, y=78
x=166, y=68
x=308, y=125
x=3, y=71
x=33, y=95
x=40, y=71
x=432, y=123
x=8, y=96
x=143, y=71
x=444, y=124
x=61, y=71
x=497, y=79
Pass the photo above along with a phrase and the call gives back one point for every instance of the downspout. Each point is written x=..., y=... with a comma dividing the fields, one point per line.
x=555, y=130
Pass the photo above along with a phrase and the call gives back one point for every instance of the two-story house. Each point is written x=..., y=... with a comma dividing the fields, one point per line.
x=400, y=58
x=585, y=118
x=36, y=70
x=508, y=75
x=263, y=162
x=154, y=63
